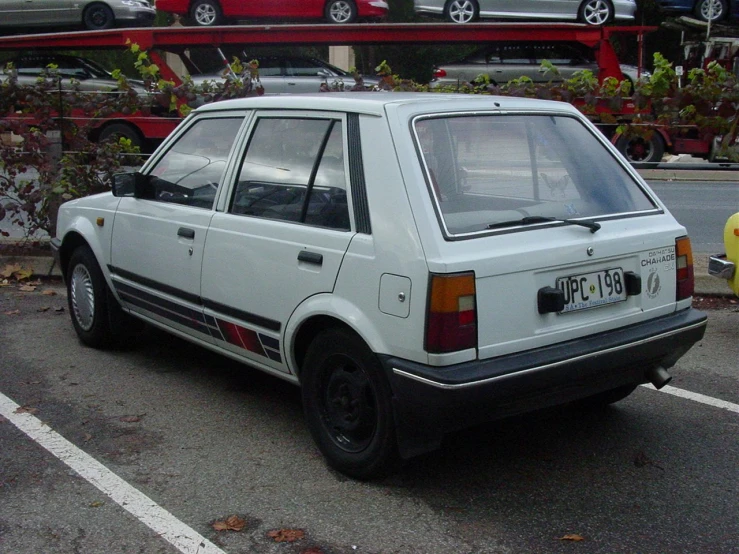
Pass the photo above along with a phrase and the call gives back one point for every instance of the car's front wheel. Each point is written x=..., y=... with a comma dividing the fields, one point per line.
x=641, y=149
x=206, y=13
x=97, y=17
x=347, y=404
x=341, y=11
x=461, y=11
x=596, y=12
x=711, y=10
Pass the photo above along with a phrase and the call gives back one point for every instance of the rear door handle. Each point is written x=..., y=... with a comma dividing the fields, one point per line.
x=186, y=233
x=310, y=257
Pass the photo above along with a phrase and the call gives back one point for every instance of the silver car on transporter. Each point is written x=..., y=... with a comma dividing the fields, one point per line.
x=89, y=14
x=592, y=12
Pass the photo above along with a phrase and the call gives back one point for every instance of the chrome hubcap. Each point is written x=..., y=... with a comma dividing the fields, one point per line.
x=597, y=12
x=82, y=297
x=711, y=10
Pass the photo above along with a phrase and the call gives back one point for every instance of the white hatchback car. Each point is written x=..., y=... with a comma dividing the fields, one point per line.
x=417, y=263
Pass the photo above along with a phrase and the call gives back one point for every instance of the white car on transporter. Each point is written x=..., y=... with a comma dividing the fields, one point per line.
x=417, y=263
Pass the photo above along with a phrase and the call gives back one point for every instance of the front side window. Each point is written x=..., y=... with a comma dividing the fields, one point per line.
x=293, y=170
x=489, y=172
x=192, y=169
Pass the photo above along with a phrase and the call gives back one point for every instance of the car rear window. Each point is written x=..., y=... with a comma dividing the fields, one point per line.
x=487, y=172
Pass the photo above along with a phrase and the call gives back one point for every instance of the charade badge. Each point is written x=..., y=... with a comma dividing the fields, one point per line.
x=653, y=283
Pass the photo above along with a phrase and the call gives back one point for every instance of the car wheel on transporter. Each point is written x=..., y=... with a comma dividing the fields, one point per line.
x=711, y=10
x=97, y=17
x=340, y=11
x=347, y=404
x=595, y=12
x=461, y=11
x=115, y=131
x=640, y=149
x=206, y=13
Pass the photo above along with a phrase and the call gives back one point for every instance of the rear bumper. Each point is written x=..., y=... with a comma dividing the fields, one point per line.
x=431, y=401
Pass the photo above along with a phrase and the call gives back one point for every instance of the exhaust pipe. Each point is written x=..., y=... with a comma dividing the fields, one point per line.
x=658, y=376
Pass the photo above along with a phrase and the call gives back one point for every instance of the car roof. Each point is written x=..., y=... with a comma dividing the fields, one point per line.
x=376, y=102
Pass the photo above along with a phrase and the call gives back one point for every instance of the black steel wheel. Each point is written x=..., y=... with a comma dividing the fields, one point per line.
x=347, y=404
x=97, y=17
x=641, y=149
x=461, y=11
x=341, y=11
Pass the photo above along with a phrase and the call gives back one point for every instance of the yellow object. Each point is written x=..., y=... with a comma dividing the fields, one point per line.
x=731, y=242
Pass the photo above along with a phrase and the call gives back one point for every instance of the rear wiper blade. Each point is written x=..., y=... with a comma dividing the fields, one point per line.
x=531, y=219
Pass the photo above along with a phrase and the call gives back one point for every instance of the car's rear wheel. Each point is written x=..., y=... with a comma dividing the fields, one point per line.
x=97, y=17
x=595, y=12
x=461, y=11
x=341, y=11
x=347, y=404
x=640, y=149
x=114, y=131
x=206, y=13
x=711, y=10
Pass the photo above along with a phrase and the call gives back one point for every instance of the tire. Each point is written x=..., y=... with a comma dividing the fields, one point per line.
x=638, y=149
x=340, y=11
x=116, y=130
x=606, y=398
x=703, y=10
x=595, y=12
x=461, y=11
x=97, y=17
x=205, y=13
x=89, y=299
x=348, y=407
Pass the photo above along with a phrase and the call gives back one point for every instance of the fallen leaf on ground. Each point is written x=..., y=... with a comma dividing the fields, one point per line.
x=232, y=523
x=43, y=309
x=22, y=274
x=88, y=437
x=130, y=419
x=286, y=535
x=27, y=288
x=573, y=538
x=96, y=504
x=49, y=292
x=13, y=312
x=9, y=269
x=59, y=310
x=26, y=410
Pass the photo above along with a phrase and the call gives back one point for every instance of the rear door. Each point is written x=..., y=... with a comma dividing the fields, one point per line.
x=283, y=235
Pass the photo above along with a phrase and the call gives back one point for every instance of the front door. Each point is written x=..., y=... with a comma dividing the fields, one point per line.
x=283, y=235
x=158, y=239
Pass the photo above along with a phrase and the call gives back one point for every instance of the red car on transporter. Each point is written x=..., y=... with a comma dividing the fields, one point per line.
x=206, y=13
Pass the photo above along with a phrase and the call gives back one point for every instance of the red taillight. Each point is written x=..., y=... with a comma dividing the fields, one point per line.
x=451, y=321
x=439, y=73
x=685, y=276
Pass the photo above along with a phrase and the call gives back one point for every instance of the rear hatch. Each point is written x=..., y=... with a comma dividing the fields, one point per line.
x=564, y=241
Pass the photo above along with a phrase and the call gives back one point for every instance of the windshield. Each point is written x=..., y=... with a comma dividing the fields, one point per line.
x=500, y=171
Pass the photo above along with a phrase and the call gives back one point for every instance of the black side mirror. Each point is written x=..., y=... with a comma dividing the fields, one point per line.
x=133, y=184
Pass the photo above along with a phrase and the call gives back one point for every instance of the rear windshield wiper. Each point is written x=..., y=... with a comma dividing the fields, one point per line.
x=531, y=219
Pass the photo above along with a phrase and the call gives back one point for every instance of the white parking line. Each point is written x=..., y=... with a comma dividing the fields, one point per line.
x=703, y=399
x=182, y=537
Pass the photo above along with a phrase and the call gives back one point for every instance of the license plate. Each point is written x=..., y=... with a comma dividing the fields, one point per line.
x=590, y=290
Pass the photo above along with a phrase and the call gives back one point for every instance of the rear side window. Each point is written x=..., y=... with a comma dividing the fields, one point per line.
x=293, y=170
x=490, y=171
